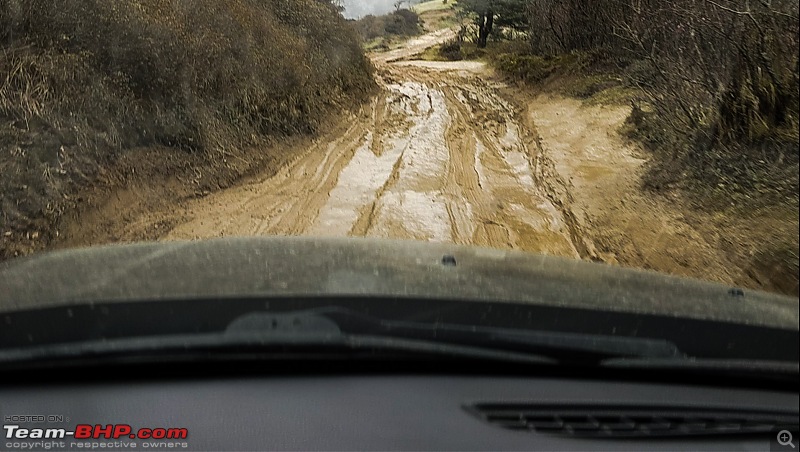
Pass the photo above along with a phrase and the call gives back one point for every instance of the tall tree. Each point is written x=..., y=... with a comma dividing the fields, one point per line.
x=492, y=14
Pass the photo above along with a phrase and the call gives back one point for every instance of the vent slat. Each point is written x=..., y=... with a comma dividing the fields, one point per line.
x=629, y=421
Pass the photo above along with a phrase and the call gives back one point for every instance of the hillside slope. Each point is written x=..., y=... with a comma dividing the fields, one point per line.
x=85, y=85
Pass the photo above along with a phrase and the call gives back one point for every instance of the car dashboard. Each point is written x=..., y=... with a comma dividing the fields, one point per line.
x=407, y=412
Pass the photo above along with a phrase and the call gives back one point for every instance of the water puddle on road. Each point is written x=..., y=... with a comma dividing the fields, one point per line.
x=412, y=215
x=358, y=183
x=461, y=66
x=516, y=157
x=413, y=205
x=400, y=190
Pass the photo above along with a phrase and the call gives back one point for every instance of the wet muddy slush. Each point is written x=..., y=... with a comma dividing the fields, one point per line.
x=447, y=152
x=438, y=156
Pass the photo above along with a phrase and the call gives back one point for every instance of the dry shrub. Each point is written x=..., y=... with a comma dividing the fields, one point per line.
x=451, y=50
x=402, y=22
x=720, y=76
x=82, y=80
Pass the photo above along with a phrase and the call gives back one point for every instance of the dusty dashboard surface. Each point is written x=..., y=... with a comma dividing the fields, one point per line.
x=391, y=413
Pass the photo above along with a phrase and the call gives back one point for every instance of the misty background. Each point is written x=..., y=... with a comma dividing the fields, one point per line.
x=355, y=9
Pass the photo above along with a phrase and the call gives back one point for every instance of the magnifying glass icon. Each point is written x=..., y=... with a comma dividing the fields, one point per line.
x=785, y=438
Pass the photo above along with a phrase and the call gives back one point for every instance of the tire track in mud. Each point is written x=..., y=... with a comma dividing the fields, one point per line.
x=318, y=178
x=523, y=217
x=281, y=204
x=412, y=204
x=439, y=155
x=366, y=216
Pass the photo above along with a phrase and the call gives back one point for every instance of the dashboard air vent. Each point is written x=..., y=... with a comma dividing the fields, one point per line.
x=619, y=421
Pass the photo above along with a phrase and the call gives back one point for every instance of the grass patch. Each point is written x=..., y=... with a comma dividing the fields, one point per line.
x=533, y=69
x=601, y=89
x=432, y=54
x=383, y=44
x=438, y=21
x=433, y=5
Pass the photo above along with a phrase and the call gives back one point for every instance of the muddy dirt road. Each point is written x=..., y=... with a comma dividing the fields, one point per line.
x=448, y=152
x=440, y=155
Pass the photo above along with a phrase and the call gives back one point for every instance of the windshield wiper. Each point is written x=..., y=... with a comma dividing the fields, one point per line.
x=338, y=330
x=557, y=346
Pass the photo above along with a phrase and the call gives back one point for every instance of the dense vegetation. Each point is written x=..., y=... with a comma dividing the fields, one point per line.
x=717, y=81
x=82, y=81
x=714, y=93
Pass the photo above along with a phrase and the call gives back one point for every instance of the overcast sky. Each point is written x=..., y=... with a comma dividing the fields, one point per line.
x=359, y=8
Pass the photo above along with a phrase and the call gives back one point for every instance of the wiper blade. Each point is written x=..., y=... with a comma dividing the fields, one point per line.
x=557, y=346
x=211, y=346
x=337, y=330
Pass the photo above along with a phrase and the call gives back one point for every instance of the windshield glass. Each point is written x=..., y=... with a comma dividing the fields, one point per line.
x=575, y=154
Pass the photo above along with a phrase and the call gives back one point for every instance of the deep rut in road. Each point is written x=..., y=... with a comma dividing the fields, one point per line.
x=439, y=156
